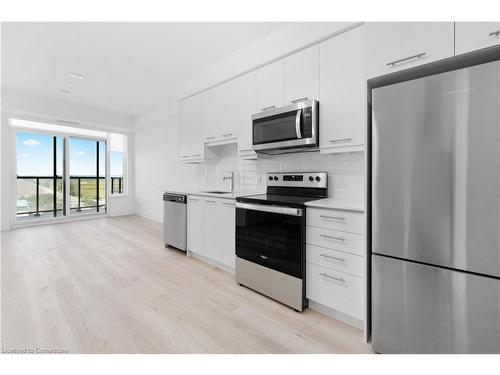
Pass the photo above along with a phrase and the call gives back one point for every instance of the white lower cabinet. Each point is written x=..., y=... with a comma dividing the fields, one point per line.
x=226, y=218
x=195, y=224
x=211, y=235
x=211, y=229
x=335, y=260
x=333, y=239
x=335, y=289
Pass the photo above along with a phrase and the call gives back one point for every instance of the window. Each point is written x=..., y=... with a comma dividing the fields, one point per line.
x=65, y=170
x=87, y=166
x=118, y=158
x=40, y=177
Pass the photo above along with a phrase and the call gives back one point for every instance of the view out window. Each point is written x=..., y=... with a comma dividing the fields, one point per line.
x=118, y=157
x=40, y=185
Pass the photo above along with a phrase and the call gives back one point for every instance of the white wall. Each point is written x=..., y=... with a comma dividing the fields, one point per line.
x=345, y=171
x=50, y=109
x=157, y=165
x=276, y=45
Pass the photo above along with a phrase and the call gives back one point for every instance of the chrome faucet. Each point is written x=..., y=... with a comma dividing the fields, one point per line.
x=229, y=176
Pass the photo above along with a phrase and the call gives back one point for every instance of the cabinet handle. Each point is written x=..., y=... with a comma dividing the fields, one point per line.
x=333, y=237
x=197, y=155
x=494, y=33
x=417, y=56
x=340, y=140
x=246, y=150
x=263, y=256
x=332, y=257
x=210, y=201
x=193, y=200
x=184, y=156
x=299, y=100
x=227, y=134
x=342, y=280
x=332, y=217
x=266, y=108
x=208, y=138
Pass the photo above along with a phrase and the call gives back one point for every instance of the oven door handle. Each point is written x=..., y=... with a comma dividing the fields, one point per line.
x=297, y=123
x=273, y=209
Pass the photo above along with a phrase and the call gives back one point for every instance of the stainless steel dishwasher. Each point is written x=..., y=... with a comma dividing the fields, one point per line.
x=174, y=220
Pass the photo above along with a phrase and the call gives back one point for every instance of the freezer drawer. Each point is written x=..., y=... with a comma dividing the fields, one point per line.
x=423, y=309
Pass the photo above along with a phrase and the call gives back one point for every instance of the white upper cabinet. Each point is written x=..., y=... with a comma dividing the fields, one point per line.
x=270, y=86
x=198, y=126
x=227, y=108
x=301, y=75
x=221, y=114
x=470, y=36
x=246, y=107
x=394, y=46
x=184, y=129
x=343, y=92
x=191, y=124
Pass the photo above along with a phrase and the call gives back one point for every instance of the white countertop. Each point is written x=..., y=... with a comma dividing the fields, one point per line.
x=201, y=193
x=338, y=204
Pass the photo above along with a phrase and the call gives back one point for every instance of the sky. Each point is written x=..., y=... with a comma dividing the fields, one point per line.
x=34, y=156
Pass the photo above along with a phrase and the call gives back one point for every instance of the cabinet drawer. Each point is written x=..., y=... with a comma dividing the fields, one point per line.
x=346, y=221
x=334, y=289
x=336, y=240
x=336, y=260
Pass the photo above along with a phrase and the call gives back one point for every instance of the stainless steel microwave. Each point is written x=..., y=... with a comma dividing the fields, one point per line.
x=290, y=128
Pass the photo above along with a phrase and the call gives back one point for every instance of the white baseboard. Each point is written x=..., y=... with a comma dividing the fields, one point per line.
x=212, y=262
x=4, y=227
x=140, y=214
x=332, y=313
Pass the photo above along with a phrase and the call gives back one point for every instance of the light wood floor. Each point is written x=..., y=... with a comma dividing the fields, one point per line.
x=110, y=286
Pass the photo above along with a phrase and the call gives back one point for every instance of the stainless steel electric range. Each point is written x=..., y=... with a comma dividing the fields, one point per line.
x=270, y=236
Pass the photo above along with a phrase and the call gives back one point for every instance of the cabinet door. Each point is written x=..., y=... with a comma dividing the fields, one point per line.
x=195, y=224
x=246, y=107
x=270, y=85
x=184, y=127
x=226, y=255
x=199, y=115
x=211, y=233
x=394, y=46
x=301, y=75
x=471, y=36
x=226, y=109
x=343, y=92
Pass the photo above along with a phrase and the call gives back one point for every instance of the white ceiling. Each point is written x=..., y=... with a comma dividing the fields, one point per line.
x=129, y=68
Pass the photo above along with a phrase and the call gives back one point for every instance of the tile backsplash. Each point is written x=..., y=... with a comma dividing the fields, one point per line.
x=345, y=171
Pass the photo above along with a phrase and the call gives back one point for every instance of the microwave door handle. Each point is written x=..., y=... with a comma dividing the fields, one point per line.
x=297, y=124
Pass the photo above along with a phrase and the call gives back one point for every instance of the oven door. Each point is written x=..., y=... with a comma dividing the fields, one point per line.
x=292, y=126
x=272, y=236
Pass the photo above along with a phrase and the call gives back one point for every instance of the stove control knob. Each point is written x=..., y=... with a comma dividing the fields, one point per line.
x=270, y=178
x=318, y=178
x=275, y=178
x=311, y=178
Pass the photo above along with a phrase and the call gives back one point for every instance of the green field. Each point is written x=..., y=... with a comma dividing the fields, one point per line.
x=26, y=194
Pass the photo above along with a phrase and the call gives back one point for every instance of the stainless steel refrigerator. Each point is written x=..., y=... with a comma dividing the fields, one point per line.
x=435, y=213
